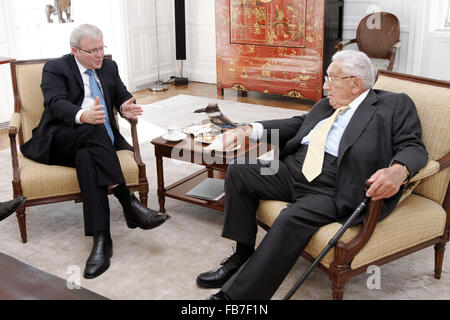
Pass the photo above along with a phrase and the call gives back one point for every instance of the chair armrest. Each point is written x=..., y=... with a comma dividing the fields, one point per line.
x=15, y=122
x=134, y=138
x=397, y=45
x=444, y=162
x=345, y=252
x=343, y=43
x=431, y=168
x=14, y=127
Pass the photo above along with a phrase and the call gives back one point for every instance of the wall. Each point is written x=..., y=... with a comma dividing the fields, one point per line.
x=141, y=43
x=200, y=41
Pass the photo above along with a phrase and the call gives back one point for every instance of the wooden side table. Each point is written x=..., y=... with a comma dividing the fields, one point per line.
x=215, y=164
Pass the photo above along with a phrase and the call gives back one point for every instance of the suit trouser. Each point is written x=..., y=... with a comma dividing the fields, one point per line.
x=265, y=270
x=88, y=148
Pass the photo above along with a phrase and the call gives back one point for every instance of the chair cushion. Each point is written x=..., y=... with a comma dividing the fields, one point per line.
x=42, y=181
x=415, y=220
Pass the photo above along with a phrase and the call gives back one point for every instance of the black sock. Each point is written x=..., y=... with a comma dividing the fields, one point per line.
x=122, y=192
x=244, y=251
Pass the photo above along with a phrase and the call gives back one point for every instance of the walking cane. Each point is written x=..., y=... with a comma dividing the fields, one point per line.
x=330, y=245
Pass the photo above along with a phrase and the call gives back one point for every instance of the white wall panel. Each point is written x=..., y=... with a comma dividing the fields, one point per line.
x=141, y=41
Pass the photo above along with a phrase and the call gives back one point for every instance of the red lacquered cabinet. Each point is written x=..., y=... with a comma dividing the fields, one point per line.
x=276, y=46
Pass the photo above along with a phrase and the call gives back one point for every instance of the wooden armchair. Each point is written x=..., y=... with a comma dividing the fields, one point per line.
x=44, y=184
x=420, y=220
x=377, y=36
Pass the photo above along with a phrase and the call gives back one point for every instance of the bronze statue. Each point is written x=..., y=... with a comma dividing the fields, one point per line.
x=58, y=9
x=216, y=116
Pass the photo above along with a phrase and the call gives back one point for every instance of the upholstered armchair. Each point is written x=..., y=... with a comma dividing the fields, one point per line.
x=420, y=220
x=43, y=184
x=377, y=36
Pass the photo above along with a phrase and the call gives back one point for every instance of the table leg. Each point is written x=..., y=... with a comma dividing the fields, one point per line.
x=210, y=172
x=161, y=190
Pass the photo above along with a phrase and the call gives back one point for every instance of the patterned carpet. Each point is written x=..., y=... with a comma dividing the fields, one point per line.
x=163, y=263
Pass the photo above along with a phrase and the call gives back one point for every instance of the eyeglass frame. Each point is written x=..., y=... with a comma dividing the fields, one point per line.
x=94, y=51
x=330, y=80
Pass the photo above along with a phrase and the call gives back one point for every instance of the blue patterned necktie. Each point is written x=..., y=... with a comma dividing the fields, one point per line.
x=96, y=92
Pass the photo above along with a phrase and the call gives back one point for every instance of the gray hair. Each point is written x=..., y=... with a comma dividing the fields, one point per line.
x=356, y=63
x=82, y=31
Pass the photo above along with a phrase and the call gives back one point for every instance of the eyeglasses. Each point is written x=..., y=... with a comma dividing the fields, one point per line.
x=332, y=80
x=93, y=51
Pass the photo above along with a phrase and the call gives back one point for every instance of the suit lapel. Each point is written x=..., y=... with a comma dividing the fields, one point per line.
x=358, y=122
x=317, y=114
x=76, y=71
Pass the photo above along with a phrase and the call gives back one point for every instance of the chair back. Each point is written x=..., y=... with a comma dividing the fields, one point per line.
x=432, y=100
x=28, y=98
x=377, y=33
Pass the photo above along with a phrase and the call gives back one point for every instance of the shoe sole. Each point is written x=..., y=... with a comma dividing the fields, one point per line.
x=86, y=276
x=210, y=285
x=102, y=270
x=131, y=225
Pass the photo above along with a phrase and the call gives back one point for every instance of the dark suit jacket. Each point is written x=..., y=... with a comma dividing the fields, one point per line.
x=63, y=90
x=384, y=128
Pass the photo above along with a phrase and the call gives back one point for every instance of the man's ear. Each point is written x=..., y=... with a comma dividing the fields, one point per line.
x=358, y=85
x=74, y=51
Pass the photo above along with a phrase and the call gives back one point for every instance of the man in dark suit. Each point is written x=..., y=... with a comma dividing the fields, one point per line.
x=372, y=134
x=77, y=129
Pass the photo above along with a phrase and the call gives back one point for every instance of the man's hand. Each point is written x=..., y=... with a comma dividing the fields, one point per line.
x=131, y=110
x=96, y=115
x=386, y=182
x=234, y=137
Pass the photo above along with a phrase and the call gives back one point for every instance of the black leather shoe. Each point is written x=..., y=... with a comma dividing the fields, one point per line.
x=98, y=261
x=219, y=296
x=9, y=207
x=217, y=277
x=137, y=215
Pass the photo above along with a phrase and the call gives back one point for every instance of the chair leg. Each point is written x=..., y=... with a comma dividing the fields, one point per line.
x=339, y=277
x=338, y=289
x=439, y=250
x=143, y=197
x=22, y=224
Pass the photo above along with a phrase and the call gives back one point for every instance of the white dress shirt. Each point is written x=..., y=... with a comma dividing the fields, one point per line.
x=336, y=131
x=88, y=100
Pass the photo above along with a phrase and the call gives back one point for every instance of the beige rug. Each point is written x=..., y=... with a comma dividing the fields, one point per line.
x=163, y=263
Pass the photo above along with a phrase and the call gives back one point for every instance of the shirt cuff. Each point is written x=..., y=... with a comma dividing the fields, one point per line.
x=257, y=132
x=78, y=116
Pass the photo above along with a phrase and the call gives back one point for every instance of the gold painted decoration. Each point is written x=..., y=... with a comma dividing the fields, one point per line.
x=280, y=23
x=293, y=94
x=239, y=87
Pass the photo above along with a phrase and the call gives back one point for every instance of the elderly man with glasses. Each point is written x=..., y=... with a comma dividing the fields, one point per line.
x=77, y=129
x=355, y=134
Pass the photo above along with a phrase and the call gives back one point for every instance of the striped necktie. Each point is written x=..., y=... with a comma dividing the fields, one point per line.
x=313, y=163
x=96, y=92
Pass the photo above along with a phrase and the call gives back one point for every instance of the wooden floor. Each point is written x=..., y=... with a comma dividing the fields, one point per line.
x=146, y=96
